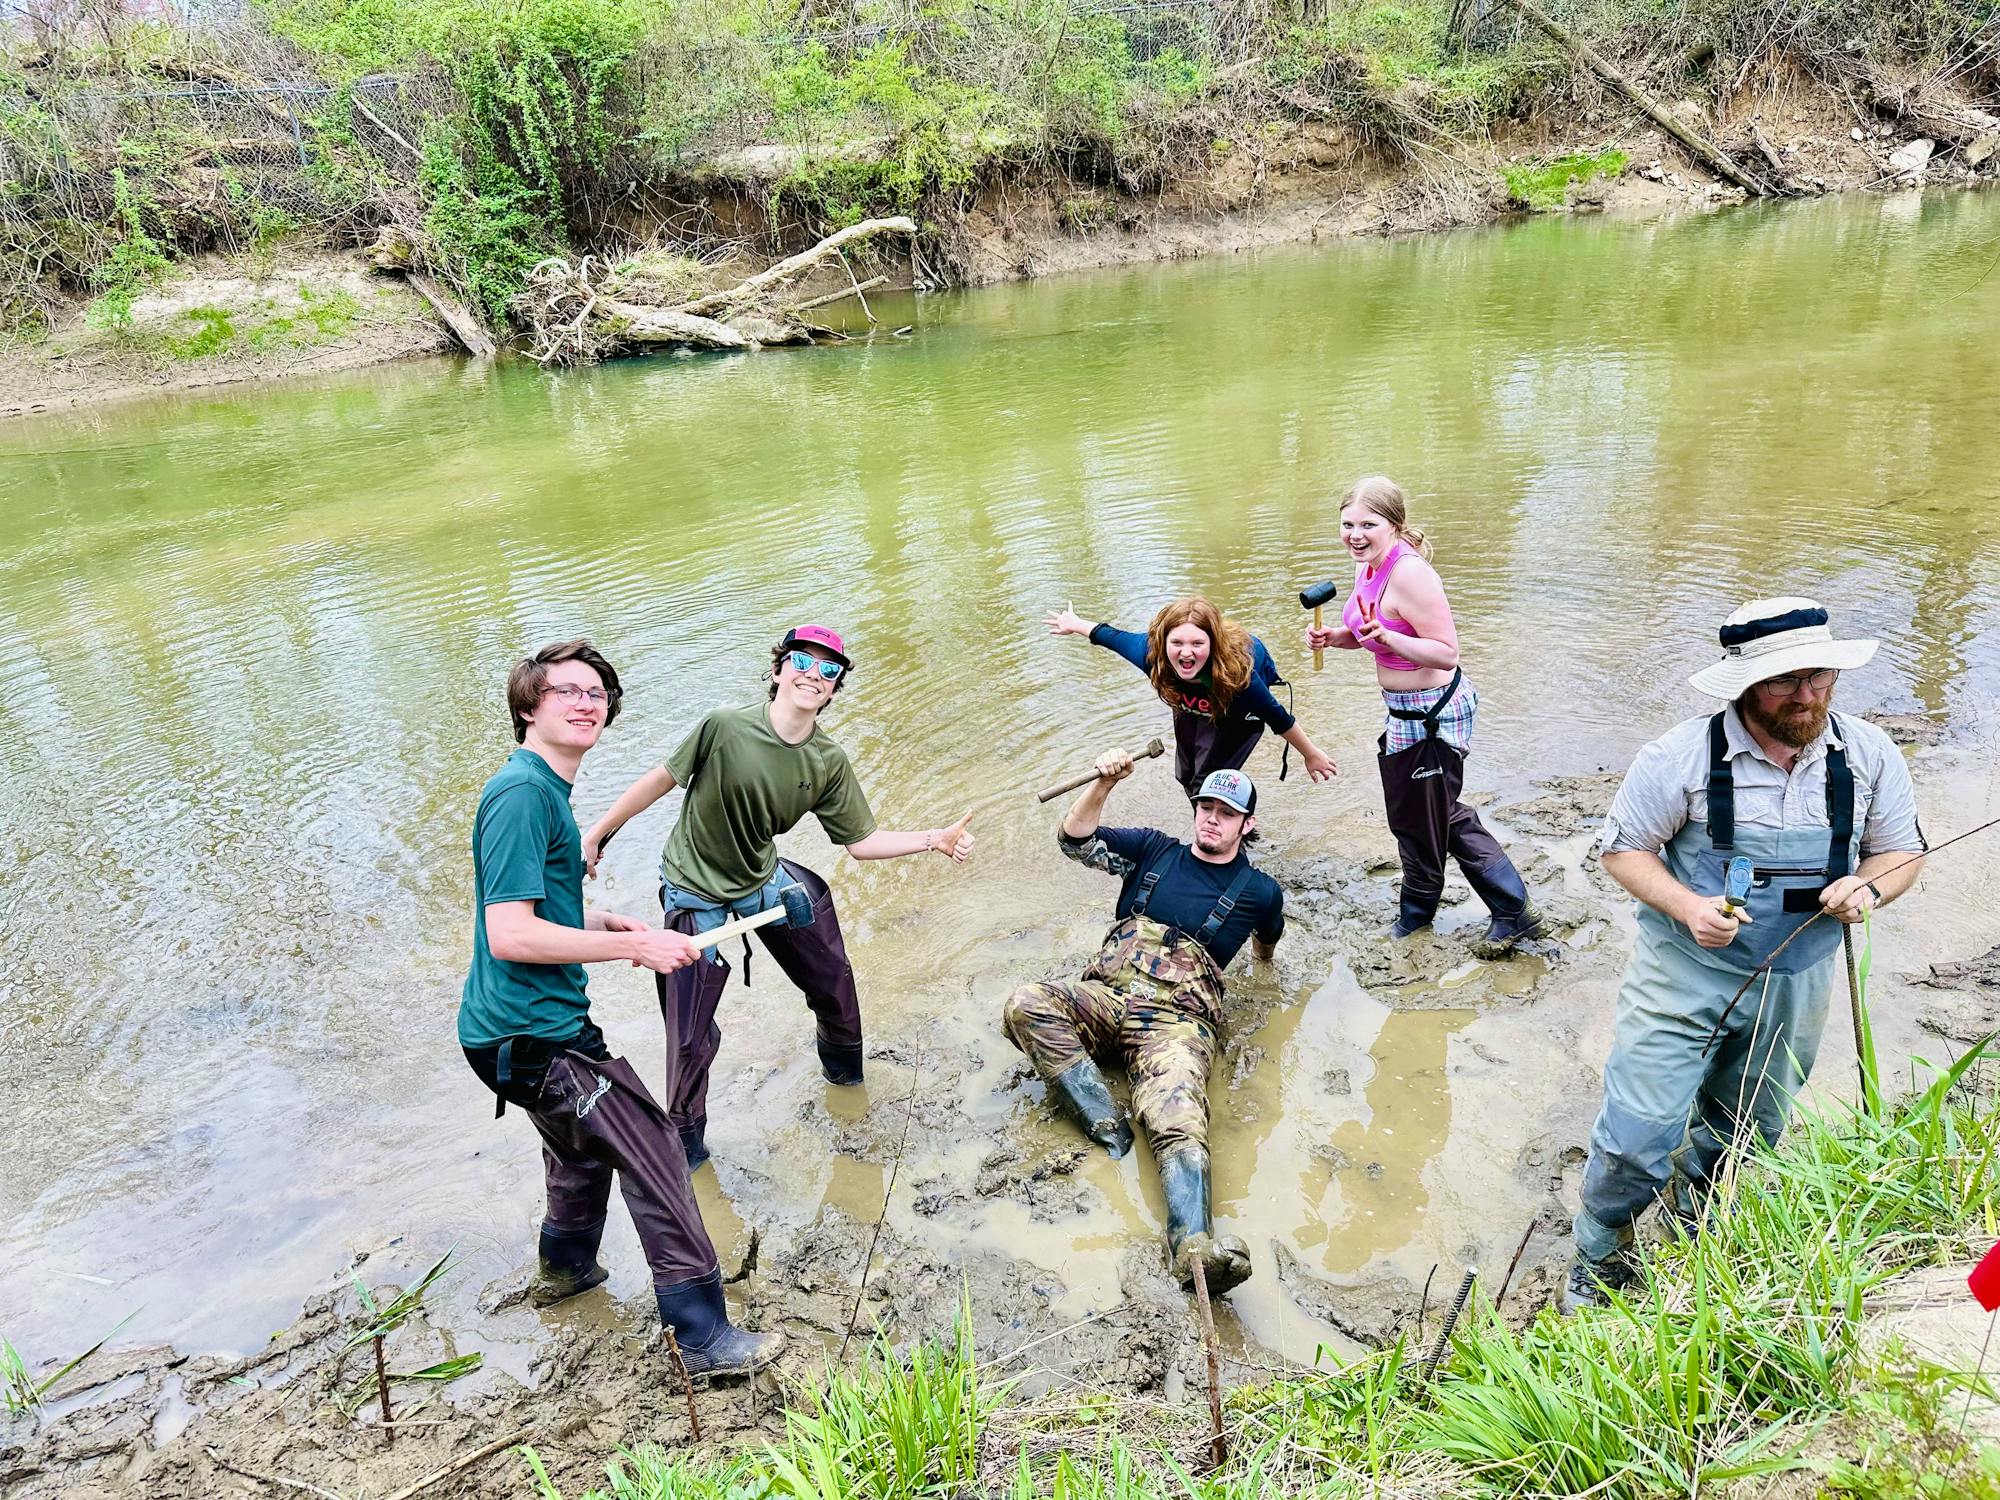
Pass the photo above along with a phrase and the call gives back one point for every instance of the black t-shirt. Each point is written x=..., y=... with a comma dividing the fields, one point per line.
x=1188, y=887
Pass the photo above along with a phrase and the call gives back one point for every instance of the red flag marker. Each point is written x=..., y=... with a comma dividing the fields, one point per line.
x=1985, y=1280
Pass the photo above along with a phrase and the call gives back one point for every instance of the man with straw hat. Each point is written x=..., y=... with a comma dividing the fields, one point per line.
x=1733, y=831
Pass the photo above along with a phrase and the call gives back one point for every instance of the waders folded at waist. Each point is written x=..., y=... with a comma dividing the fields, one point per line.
x=514, y=1067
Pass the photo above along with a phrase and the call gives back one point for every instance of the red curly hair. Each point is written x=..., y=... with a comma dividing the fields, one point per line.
x=1229, y=660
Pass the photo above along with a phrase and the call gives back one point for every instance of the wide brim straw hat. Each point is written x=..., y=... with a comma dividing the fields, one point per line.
x=1770, y=637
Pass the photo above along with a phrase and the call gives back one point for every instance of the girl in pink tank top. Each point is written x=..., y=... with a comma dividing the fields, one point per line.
x=1365, y=605
x=1422, y=749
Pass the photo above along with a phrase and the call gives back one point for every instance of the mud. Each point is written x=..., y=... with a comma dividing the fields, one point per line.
x=1385, y=1115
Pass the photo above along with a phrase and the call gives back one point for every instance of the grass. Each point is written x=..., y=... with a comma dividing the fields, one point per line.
x=1742, y=1356
x=1544, y=184
x=21, y=1392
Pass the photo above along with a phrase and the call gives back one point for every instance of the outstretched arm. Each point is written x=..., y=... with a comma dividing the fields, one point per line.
x=1319, y=765
x=954, y=843
x=515, y=934
x=635, y=799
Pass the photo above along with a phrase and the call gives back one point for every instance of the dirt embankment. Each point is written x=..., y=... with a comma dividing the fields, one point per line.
x=580, y=1380
x=300, y=311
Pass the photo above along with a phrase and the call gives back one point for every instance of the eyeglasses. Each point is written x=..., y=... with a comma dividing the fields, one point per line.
x=571, y=694
x=1788, y=687
x=805, y=661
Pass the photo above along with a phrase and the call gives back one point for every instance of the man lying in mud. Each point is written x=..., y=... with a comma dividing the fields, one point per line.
x=1152, y=998
x=524, y=1019
x=751, y=774
x=1734, y=831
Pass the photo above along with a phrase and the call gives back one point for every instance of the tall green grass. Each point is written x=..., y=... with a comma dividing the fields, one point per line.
x=1744, y=1345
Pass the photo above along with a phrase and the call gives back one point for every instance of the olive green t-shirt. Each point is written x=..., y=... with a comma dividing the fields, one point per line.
x=525, y=847
x=745, y=786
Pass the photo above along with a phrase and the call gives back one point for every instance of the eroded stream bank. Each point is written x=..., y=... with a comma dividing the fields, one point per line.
x=257, y=658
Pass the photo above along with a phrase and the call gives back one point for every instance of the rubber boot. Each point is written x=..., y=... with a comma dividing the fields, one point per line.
x=1082, y=1087
x=1190, y=1231
x=840, y=1061
x=710, y=1344
x=1413, y=913
x=1514, y=914
x=567, y=1264
x=694, y=1141
x=1591, y=1282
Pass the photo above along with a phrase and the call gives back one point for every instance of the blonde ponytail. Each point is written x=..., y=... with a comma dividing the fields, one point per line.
x=1382, y=495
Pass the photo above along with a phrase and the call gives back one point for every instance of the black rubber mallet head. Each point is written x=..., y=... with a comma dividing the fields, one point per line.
x=1316, y=599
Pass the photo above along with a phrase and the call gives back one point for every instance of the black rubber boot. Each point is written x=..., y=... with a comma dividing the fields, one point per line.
x=1190, y=1231
x=1413, y=913
x=1591, y=1282
x=1499, y=885
x=1082, y=1087
x=841, y=1063
x=710, y=1343
x=694, y=1141
x=567, y=1264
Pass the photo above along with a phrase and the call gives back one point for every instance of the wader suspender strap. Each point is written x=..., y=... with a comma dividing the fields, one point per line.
x=1721, y=789
x=1839, y=808
x=503, y=1073
x=1212, y=927
x=1839, y=800
x=1429, y=717
x=1146, y=883
x=1285, y=759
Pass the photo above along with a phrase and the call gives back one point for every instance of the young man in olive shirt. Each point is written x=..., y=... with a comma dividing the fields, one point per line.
x=524, y=1019
x=753, y=773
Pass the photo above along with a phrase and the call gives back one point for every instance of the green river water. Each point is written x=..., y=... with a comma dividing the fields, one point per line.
x=253, y=644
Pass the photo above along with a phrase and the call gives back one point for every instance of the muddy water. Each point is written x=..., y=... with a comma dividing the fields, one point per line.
x=252, y=645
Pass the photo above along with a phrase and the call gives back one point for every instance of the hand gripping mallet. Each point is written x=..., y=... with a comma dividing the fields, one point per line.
x=1049, y=795
x=794, y=909
x=1316, y=599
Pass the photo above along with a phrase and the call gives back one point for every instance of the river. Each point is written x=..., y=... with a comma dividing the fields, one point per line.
x=253, y=644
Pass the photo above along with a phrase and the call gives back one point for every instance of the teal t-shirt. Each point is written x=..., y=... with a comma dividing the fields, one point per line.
x=525, y=847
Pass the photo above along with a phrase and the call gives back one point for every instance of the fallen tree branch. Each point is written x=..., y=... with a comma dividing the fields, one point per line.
x=634, y=323
x=1703, y=150
x=466, y=328
x=838, y=296
x=1770, y=155
x=478, y=1455
x=276, y=1480
x=791, y=266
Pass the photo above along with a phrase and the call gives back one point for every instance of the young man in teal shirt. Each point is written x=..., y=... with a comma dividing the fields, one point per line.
x=524, y=1019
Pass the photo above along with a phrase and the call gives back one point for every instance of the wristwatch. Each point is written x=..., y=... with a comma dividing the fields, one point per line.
x=1875, y=891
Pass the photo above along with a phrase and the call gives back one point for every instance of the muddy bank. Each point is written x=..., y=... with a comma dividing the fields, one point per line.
x=1427, y=1088
x=298, y=311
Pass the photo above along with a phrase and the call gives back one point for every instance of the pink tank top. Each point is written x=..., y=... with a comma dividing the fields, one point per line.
x=1365, y=604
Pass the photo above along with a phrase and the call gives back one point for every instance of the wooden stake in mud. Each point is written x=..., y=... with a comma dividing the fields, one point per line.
x=681, y=1369
x=1450, y=1322
x=1218, y=1443
x=382, y=1390
x=1508, y=1280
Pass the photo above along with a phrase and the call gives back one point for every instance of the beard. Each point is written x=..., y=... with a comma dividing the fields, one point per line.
x=1211, y=846
x=1792, y=722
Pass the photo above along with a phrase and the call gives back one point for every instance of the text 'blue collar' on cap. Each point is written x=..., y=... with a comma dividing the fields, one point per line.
x=1231, y=787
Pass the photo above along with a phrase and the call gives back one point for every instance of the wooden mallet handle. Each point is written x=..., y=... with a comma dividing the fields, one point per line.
x=1155, y=748
x=794, y=906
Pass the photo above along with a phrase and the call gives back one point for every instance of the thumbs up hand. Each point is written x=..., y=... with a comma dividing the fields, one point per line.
x=955, y=842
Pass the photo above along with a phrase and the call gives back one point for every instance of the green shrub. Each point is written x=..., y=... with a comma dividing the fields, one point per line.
x=1544, y=184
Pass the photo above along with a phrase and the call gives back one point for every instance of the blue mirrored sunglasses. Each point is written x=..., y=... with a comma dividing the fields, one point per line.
x=805, y=661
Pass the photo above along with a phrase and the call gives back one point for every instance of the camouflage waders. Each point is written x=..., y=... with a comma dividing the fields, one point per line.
x=1151, y=1001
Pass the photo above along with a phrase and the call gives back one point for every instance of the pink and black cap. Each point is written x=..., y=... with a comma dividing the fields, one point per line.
x=817, y=636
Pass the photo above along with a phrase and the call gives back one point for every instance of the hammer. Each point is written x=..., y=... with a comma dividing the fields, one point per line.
x=1155, y=748
x=794, y=909
x=1316, y=599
